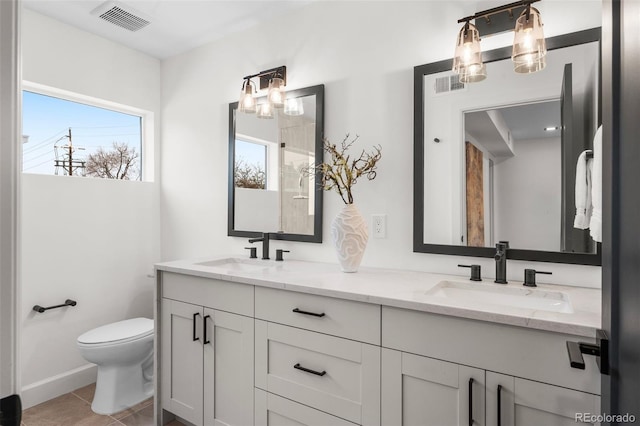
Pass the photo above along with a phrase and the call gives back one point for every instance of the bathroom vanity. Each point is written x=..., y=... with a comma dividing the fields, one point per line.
x=253, y=342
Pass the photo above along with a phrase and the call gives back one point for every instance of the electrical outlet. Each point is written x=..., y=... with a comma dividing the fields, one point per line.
x=379, y=226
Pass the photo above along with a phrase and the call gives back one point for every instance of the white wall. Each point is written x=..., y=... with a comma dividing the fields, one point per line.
x=527, y=188
x=90, y=240
x=364, y=53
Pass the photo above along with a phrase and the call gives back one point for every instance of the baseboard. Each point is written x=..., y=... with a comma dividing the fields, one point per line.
x=60, y=384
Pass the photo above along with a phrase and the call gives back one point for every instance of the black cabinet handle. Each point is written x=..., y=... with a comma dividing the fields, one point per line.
x=298, y=311
x=204, y=323
x=306, y=370
x=499, y=405
x=471, y=401
x=193, y=332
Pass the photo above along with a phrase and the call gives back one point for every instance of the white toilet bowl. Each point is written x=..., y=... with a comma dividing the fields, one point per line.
x=124, y=353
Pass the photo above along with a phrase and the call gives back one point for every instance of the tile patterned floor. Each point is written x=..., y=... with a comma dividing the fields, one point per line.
x=75, y=409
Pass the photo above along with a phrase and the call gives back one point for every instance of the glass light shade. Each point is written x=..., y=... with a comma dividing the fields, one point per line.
x=247, y=102
x=276, y=94
x=265, y=110
x=529, y=46
x=293, y=106
x=467, y=61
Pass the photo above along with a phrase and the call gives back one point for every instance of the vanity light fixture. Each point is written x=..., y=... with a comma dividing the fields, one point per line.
x=529, y=47
x=293, y=106
x=467, y=62
x=265, y=110
x=247, y=101
x=274, y=79
x=551, y=128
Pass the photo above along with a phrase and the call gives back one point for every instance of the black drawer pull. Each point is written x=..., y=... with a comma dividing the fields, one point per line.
x=193, y=331
x=204, y=326
x=298, y=311
x=306, y=370
x=499, y=405
x=471, y=402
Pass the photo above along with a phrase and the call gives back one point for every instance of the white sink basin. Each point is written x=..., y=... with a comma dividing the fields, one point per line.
x=475, y=294
x=233, y=264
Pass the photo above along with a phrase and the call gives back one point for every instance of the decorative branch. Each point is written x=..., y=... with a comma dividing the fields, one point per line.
x=341, y=173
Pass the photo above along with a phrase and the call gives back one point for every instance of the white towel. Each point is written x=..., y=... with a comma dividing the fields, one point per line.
x=596, y=188
x=583, y=191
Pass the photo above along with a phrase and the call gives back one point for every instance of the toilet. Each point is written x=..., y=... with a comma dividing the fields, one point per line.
x=124, y=353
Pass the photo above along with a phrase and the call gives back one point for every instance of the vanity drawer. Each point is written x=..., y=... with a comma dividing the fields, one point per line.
x=338, y=376
x=338, y=317
x=522, y=352
x=272, y=410
x=216, y=294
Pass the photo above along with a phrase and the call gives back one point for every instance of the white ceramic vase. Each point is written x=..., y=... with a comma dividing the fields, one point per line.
x=350, y=235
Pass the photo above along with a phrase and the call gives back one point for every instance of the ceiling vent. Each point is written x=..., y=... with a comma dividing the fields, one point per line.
x=447, y=84
x=121, y=15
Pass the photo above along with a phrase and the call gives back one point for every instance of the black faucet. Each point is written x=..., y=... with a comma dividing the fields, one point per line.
x=501, y=262
x=265, y=244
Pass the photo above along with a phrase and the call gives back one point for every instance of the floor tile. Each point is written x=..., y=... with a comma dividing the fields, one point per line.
x=86, y=392
x=65, y=410
x=131, y=410
x=143, y=417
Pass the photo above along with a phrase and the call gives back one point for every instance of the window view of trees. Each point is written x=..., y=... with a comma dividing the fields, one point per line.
x=64, y=137
x=250, y=165
x=120, y=162
x=249, y=175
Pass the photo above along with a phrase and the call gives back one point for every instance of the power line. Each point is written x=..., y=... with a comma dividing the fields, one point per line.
x=44, y=141
x=38, y=156
x=37, y=165
x=106, y=127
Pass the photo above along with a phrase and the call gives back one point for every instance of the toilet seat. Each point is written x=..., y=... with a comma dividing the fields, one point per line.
x=118, y=332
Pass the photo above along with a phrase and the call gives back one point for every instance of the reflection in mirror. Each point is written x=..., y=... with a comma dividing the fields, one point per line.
x=269, y=189
x=489, y=169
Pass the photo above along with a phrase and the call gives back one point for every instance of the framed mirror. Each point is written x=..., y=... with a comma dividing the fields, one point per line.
x=270, y=189
x=496, y=160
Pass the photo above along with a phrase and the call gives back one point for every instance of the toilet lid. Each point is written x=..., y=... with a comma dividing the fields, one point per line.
x=130, y=329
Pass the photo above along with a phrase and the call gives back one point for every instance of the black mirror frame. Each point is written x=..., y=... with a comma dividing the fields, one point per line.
x=566, y=40
x=316, y=237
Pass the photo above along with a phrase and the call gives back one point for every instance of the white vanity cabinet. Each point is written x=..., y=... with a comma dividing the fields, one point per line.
x=422, y=391
x=522, y=402
x=239, y=352
x=418, y=388
x=206, y=353
x=310, y=350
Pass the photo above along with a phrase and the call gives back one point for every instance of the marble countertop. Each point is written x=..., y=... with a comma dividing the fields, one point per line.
x=405, y=289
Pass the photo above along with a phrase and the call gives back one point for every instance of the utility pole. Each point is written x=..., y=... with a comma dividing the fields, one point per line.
x=70, y=153
x=69, y=164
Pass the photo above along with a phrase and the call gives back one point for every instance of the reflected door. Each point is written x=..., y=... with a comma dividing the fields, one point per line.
x=474, y=196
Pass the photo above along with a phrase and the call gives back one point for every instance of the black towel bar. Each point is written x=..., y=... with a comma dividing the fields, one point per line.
x=67, y=302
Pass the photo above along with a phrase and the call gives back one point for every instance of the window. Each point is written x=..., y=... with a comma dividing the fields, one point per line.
x=250, y=164
x=66, y=137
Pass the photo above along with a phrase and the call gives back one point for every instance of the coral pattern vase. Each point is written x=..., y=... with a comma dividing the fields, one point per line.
x=350, y=235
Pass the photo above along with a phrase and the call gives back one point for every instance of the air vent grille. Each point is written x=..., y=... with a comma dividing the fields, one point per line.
x=122, y=16
x=448, y=83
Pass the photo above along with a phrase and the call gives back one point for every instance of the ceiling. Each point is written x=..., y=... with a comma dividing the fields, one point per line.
x=176, y=25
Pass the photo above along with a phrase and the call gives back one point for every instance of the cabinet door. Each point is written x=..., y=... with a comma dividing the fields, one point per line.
x=228, y=369
x=272, y=410
x=527, y=403
x=182, y=360
x=422, y=391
